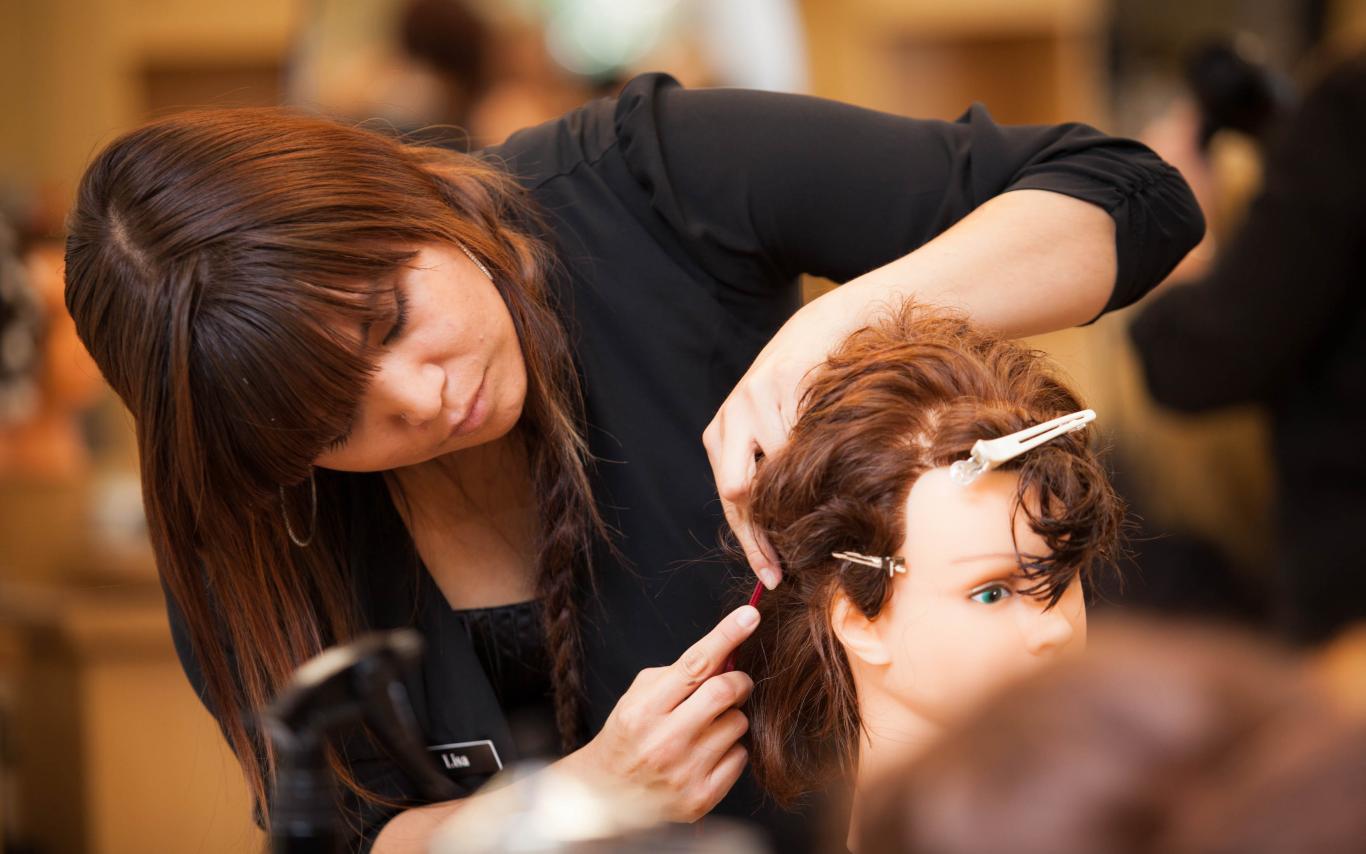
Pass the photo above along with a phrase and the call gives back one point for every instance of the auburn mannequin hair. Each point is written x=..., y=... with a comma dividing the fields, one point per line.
x=217, y=264
x=896, y=399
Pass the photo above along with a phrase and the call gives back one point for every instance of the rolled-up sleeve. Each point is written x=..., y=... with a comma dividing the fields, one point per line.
x=766, y=186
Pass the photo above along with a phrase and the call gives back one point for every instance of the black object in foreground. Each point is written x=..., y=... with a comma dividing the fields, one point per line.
x=361, y=682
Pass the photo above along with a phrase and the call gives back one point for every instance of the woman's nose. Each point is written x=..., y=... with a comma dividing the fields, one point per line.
x=410, y=391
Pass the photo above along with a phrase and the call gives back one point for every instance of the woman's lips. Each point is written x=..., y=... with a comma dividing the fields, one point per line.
x=476, y=412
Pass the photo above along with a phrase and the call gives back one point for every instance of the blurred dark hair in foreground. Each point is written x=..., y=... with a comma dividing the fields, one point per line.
x=1161, y=738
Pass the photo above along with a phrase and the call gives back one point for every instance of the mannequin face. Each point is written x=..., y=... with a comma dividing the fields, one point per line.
x=955, y=626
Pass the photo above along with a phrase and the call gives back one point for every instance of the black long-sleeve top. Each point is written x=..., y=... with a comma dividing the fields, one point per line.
x=1280, y=321
x=682, y=220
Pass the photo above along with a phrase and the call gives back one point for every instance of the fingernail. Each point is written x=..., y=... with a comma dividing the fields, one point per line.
x=747, y=616
x=769, y=577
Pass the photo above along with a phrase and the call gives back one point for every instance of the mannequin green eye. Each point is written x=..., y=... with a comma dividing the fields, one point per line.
x=991, y=595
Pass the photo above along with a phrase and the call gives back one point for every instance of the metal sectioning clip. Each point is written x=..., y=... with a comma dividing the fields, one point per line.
x=987, y=454
x=887, y=563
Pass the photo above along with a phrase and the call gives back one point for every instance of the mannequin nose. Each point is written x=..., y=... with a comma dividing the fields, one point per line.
x=1049, y=631
x=413, y=393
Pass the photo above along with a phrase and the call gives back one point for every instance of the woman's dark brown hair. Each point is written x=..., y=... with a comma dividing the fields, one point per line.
x=218, y=265
x=905, y=395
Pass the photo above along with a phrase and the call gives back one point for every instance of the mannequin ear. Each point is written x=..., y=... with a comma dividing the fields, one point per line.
x=861, y=637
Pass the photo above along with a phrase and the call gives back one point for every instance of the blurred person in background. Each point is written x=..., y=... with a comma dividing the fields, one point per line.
x=494, y=76
x=46, y=379
x=1161, y=739
x=453, y=43
x=467, y=73
x=1279, y=320
x=51, y=479
x=20, y=324
x=453, y=71
x=498, y=396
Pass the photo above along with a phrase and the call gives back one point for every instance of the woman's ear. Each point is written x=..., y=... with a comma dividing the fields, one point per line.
x=861, y=637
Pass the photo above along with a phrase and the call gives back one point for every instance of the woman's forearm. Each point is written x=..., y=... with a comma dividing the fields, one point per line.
x=1024, y=262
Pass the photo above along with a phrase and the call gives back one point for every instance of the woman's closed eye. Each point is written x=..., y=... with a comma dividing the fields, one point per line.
x=400, y=318
x=344, y=437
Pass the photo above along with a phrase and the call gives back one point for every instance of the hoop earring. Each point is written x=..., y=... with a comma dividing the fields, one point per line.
x=312, y=515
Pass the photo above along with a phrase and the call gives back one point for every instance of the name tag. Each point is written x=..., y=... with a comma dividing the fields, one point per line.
x=468, y=757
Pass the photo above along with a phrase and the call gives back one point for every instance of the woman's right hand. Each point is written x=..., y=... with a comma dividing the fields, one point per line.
x=675, y=733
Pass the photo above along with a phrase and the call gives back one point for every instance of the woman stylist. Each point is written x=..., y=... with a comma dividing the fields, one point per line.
x=379, y=385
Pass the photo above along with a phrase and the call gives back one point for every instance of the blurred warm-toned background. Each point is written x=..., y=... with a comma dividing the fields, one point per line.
x=103, y=746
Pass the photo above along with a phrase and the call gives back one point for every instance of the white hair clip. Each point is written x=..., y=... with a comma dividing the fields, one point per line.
x=886, y=563
x=987, y=454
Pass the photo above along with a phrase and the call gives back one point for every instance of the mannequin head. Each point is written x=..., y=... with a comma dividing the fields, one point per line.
x=993, y=581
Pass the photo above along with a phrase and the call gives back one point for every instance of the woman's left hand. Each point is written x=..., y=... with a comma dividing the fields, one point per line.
x=759, y=413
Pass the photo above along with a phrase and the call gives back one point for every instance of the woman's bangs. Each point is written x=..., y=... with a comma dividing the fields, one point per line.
x=296, y=349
